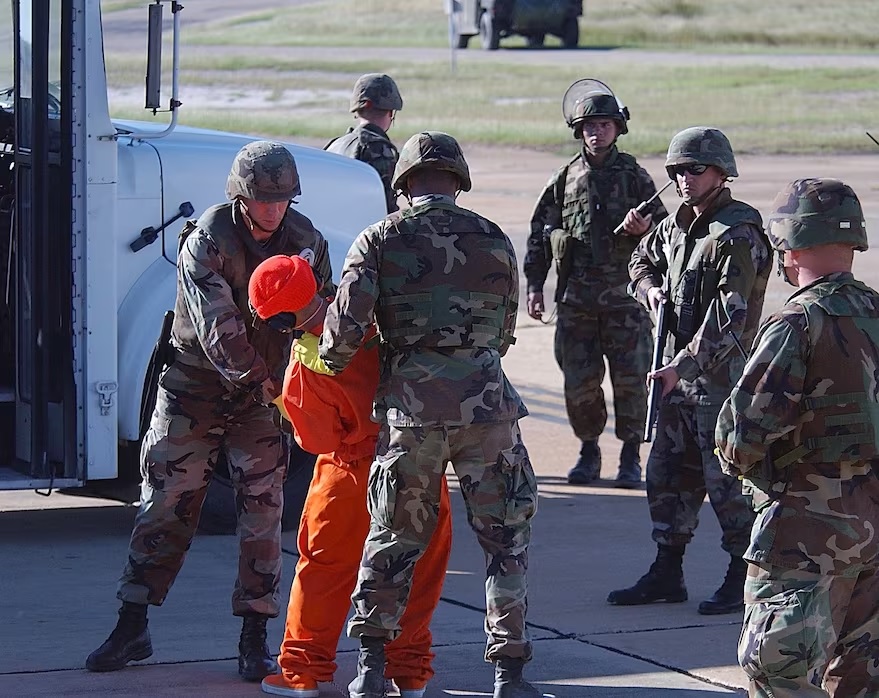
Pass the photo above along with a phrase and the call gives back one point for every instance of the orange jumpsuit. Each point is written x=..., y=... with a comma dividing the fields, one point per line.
x=331, y=416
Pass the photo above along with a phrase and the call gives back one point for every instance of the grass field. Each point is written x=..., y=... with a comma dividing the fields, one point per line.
x=762, y=109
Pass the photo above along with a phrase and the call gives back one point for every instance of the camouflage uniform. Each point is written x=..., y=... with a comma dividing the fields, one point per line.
x=801, y=428
x=367, y=142
x=442, y=285
x=596, y=317
x=209, y=400
x=573, y=225
x=716, y=266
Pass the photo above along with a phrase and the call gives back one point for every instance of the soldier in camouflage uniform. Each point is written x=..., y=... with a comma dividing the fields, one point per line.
x=801, y=427
x=374, y=102
x=579, y=208
x=710, y=261
x=441, y=284
x=214, y=397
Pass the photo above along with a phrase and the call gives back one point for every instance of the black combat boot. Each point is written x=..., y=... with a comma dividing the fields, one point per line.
x=370, y=679
x=129, y=641
x=629, y=475
x=730, y=597
x=254, y=660
x=588, y=466
x=664, y=581
x=508, y=681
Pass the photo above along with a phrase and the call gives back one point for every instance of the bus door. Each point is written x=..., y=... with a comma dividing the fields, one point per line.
x=37, y=392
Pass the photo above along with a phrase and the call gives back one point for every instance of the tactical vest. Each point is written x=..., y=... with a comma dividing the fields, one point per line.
x=426, y=301
x=240, y=255
x=839, y=415
x=594, y=202
x=693, y=273
x=344, y=143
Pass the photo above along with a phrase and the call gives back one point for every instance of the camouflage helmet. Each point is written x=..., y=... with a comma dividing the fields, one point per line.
x=701, y=145
x=811, y=212
x=589, y=98
x=263, y=171
x=434, y=150
x=376, y=91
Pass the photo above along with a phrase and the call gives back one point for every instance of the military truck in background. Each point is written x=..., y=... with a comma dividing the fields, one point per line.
x=493, y=20
x=90, y=209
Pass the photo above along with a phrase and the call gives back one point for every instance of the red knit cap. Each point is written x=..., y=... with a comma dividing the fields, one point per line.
x=281, y=284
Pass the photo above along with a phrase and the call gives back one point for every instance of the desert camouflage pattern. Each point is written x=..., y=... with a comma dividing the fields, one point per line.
x=376, y=91
x=582, y=341
x=811, y=212
x=801, y=428
x=681, y=469
x=264, y=171
x=701, y=145
x=197, y=416
x=442, y=285
x=434, y=150
x=717, y=265
x=500, y=491
x=808, y=634
x=212, y=319
x=369, y=144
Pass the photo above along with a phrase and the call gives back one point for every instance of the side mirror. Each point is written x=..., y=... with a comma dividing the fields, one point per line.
x=154, y=58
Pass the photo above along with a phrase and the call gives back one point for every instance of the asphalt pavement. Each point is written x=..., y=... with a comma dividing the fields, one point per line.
x=61, y=557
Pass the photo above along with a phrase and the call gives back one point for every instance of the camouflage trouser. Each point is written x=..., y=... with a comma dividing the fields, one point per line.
x=582, y=341
x=681, y=468
x=807, y=634
x=194, y=419
x=500, y=492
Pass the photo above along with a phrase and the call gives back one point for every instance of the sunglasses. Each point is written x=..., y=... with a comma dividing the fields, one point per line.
x=694, y=170
x=284, y=323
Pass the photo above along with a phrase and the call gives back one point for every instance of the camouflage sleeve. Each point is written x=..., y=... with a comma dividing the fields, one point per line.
x=382, y=155
x=740, y=253
x=765, y=403
x=648, y=264
x=217, y=320
x=513, y=306
x=547, y=212
x=351, y=313
x=646, y=189
x=322, y=264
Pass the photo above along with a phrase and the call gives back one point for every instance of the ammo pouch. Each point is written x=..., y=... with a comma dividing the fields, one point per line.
x=561, y=244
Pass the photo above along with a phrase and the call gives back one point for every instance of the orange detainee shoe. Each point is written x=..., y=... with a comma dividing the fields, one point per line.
x=294, y=686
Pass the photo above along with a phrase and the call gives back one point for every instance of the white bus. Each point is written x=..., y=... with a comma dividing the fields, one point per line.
x=87, y=254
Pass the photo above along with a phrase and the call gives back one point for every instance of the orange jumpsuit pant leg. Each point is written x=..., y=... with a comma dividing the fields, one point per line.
x=332, y=531
x=409, y=657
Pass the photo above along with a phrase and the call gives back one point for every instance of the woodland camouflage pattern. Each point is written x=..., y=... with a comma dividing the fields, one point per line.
x=500, y=489
x=718, y=263
x=433, y=149
x=701, y=145
x=369, y=144
x=196, y=416
x=263, y=171
x=723, y=248
x=596, y=317
x=437, y=257
x=376, y=91
x=802, y=428
x=810, y=212
x=207, y=403
x=442, y=285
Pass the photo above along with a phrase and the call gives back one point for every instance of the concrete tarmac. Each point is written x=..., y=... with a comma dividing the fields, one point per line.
x=61, y=557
